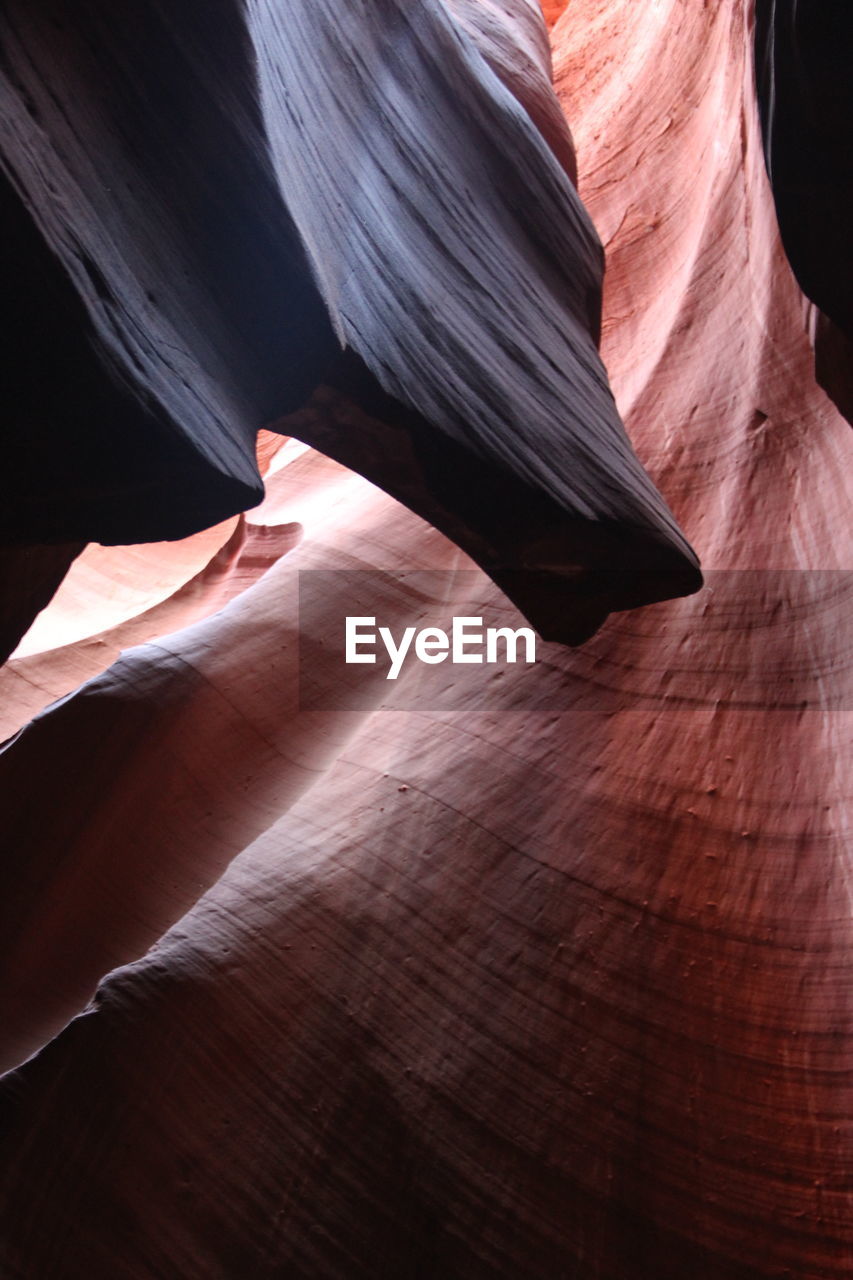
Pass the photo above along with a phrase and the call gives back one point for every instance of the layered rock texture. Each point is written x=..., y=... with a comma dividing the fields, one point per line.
x=542, y=977
x=206, y=204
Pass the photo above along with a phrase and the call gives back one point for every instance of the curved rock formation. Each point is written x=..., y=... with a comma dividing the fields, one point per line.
x=206, y=204
x=29, y=577
x=548, y=983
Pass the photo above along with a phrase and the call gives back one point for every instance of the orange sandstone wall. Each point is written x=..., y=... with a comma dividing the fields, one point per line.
x=559, y=988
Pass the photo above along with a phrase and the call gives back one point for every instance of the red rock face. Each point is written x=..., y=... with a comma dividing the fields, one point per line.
x=552, y=10
x=555, y=984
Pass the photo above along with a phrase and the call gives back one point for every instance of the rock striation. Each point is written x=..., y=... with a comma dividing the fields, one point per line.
x=546, y=980
x=207, y=206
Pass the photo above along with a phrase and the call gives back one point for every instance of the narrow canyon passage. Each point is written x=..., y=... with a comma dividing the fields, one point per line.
x=475, y=973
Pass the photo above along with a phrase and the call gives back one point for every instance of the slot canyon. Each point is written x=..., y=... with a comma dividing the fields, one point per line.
x=419, y=310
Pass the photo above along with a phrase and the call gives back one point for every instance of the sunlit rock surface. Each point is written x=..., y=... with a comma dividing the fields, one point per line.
x=29, y=577
x=558, y=987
